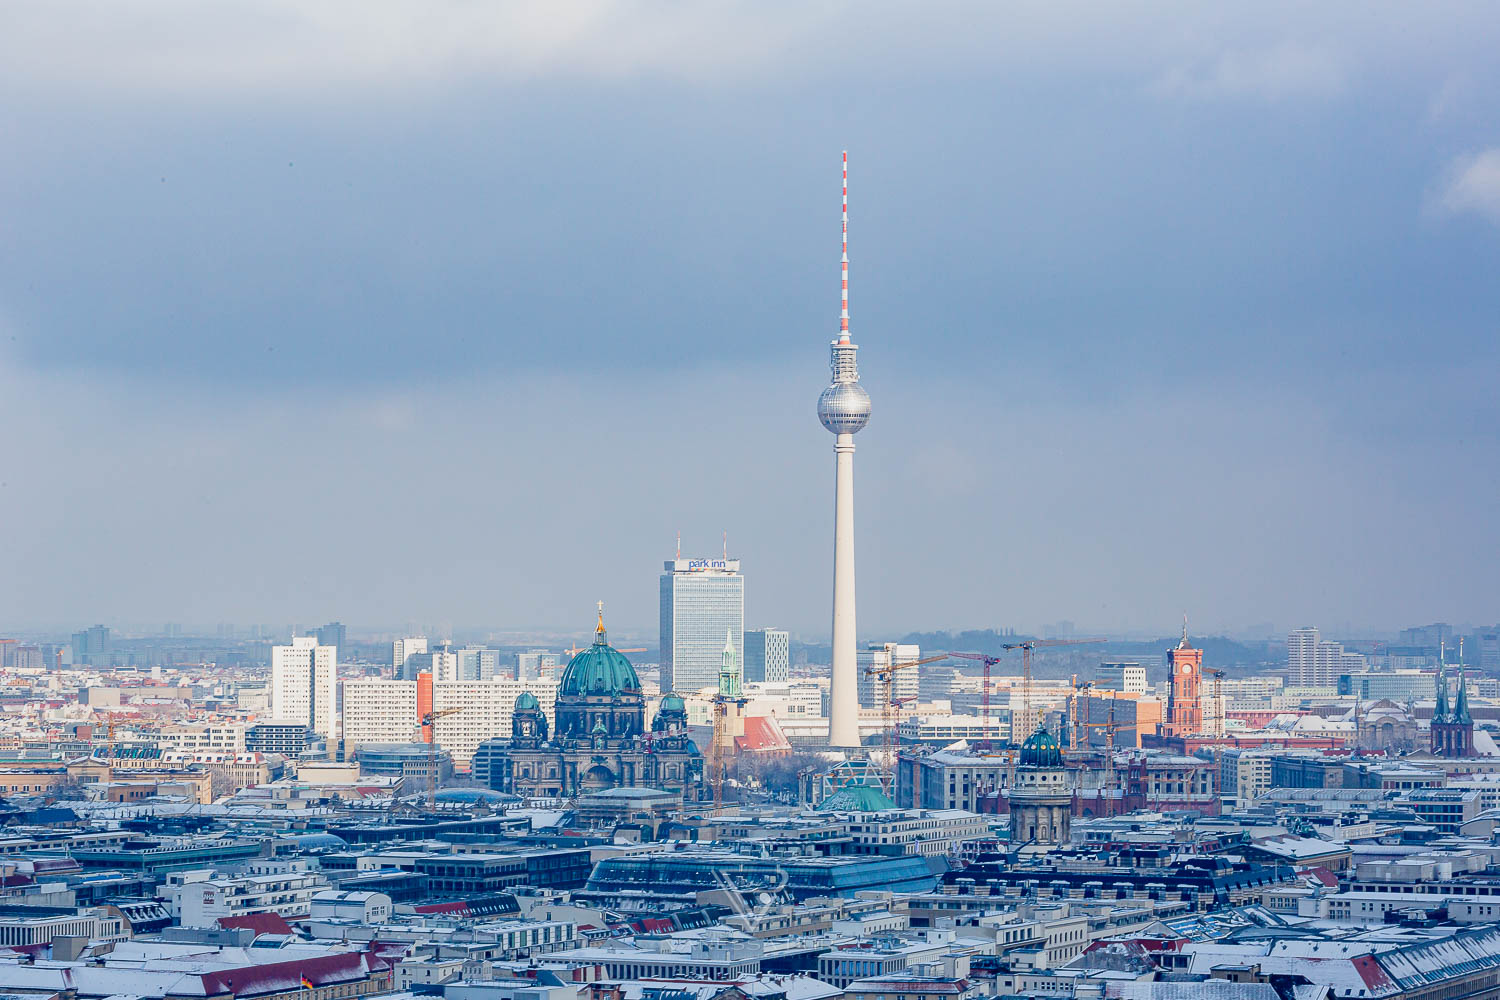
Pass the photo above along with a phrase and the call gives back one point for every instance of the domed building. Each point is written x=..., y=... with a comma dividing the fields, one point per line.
x=601, y=740
x=1041, y=802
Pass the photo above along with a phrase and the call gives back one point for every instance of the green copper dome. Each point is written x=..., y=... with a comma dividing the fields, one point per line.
x=857, y=798
x=1041, y=750
x=673, y=703
x=528, y=703
x=600, y=670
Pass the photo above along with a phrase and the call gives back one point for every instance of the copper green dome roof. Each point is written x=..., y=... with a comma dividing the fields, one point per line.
x=599, y=670
x=528, y=703
x=673, y=703
x=1041, y=750
x=857, y=798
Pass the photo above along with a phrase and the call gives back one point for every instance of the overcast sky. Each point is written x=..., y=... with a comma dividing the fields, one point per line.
x=459, y=312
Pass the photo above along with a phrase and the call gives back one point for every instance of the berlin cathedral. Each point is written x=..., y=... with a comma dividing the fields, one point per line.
x=601, y=740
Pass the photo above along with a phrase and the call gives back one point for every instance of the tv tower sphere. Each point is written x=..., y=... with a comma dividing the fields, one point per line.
x=844, y=407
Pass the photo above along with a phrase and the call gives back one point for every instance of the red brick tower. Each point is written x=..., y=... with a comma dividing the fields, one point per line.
x=1184, y=706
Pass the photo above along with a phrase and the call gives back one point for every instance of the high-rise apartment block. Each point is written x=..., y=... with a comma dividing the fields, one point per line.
x=403, y=650
x=384, y=710
x=904, y=683
x=304, y=685
x=1314, y=662
x=333, y=634
x=537, y=663
x=768, y=656
x=700, y=600
x=91, y=646
x=477, y=664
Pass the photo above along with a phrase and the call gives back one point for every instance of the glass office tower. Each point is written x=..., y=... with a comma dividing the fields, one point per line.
x=700, y=599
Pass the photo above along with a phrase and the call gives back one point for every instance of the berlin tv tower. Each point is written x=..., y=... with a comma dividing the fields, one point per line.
x=844, y=408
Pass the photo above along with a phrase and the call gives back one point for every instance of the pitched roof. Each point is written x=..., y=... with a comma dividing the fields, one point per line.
x=762, y=734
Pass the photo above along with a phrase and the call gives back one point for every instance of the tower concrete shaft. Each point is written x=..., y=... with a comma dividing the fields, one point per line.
x=843, y=713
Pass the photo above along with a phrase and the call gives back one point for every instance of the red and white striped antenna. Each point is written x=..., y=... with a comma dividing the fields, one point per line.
x=844, y=265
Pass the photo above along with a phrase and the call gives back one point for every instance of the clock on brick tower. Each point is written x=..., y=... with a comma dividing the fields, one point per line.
x=1184, y=706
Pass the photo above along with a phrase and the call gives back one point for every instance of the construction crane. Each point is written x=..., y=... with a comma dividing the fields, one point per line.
x=989, y=661
x=1025, y=647
x=722, y=741
x=1218, y=676
x=1085, y=687
x=1109, y=728
x=424, y=732
x=889, y=716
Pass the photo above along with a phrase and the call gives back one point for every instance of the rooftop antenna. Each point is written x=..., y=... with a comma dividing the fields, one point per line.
x=1184, y=643
x=726, y=544
x=679, y=543
x=844, y=262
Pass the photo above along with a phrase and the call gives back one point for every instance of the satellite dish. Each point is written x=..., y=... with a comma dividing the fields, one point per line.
x=764, y=898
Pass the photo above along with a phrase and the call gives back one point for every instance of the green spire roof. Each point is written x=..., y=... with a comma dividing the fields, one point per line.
x=1461, y=707
x=1440, y=709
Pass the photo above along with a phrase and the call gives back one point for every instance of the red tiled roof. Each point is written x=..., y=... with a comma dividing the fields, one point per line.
x=762, y=735
x=461, y=907
x=260, y=923
x=280, y=977
x=1322, y=874
x=1374, y=976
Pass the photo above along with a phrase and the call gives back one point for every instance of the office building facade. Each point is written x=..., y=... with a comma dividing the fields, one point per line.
x=1127, y=677
x=701, y=599
x=768, y=656
x=304, y=685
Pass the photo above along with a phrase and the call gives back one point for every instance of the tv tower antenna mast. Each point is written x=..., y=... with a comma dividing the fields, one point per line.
x=844, y=409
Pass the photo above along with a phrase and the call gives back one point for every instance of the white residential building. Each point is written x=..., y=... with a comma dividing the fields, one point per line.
x=304, y=685
x=1314, y=662
x=379, y=710
x=217, y=737
x=485, y=708
x=199, y=901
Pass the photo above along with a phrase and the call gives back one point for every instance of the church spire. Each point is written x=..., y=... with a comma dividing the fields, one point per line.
x=1461, y=706
x=599, y=633
x=1440, y=709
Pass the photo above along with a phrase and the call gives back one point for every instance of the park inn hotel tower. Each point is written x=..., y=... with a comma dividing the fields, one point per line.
x=701, y=599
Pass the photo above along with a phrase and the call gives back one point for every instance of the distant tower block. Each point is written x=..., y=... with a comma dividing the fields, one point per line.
x=844, y=408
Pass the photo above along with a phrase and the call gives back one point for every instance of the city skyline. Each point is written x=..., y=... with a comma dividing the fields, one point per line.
x=1254, y=252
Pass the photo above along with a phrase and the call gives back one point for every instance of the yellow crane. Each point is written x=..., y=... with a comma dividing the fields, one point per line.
x=890, y=716
x=425, y=735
